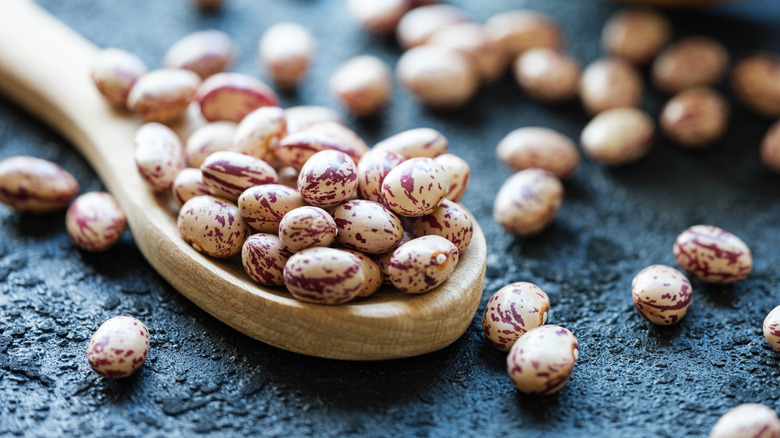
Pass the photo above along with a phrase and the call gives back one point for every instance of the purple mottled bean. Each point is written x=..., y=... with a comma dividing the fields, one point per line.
x=713, y=255
x=512, y=311
x=450, y=221
x=227, y=174
x=422, y=264
x=542, y=360
x=95, y=222
x=328, y=178
x=159, y=156
x=324, y=276
x=662, y=294
x=306, y=227
x=263, y=207
x=264, y=258
x=212, y=226
x=33, y=185
x=367, y=226
x=415, y=187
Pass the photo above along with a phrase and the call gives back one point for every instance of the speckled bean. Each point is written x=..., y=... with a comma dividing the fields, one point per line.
x=378, y=16
x=756, y=81
x=295, y=149
x=372, y=169
x=264, y=258
x=662, y=294
x=383, y=260
x=95, y=222
x=204, y=52
x=364, y=84
x=690, y=62
x=209, y=138
x=636, y=34
x=300, y=118
x=422, y=264
x=286, y=50
x=119, y=347
x=212, y=226
x=306, y=227
x=260, y=131
x=159, y=156
x=372, y=273
x=618, y=136
x=187, y=185
x=114, y=72
x=163, y=95
x=528, y=201
x=367, y=226
x=547, y=75
x=227, y=174
x=747, y=420
x=415, y=187
x=772, y=328
x=328, y=178
x=519, y=30
x=542, y=360
x=610, y=83
x=696, y=117
x=459, y=172
x=413, y=143
x=33, y=185
x=264, y=206
x=324, y=276
x=770, y=148
x=538, y=147
x=450, y=221
x=438, y=77
x=512, y=311
x=231, y=96
x=713, y=255
x=471, y=40
x=417, y=25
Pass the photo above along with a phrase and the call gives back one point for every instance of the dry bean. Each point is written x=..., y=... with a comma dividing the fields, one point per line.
x=547, y=75
x=471, y=40
x=756, y=81
x=158, y=155
x=417, y=25
x=450, y=221
x=324, y=276
x=306, y=227
x=33, y=185
x=528, y=201
x=295, y=149
x=770, y=148
x=371, y=271
x=209, y=138
x=772, y=328
x=264, y=257
x=264, y=206
x=422, y=264
x=114, y=72
x=690, y=62
x=212, y=226
x=260, y=131
x=542, y=360
x=328, y=178
x=204, y=52
x=231, y=96
x=696, y=117
x=363, y=84
x=459, y=172
x=610, y=83
x=300, y=118
x=713, y=255
x=286, y=50
x=187, y=185
x=438, y=77
x=378, y=16
x=415, y=187
x=227, y=174
x=618, y=136
x=119, y=347
x=383, y=260
x=662, y=294
x=636, y=34
x=413, y=143
x=367, y=226
x=512, y=311
x=163, y=95
x=519, y=30
x=747, y=420
x=95, y=222
x=372, y=169
x=542, y=148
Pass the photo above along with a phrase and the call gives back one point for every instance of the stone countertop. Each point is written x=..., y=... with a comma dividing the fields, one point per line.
x=202, y=377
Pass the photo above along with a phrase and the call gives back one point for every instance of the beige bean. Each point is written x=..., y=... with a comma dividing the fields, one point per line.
x=159, y=156
x=417, y=25
x=413, y=143
x=163, y=95
x=636, y=34
x=231, y=96
x=286, y=50
x=541, y=148
x=528, y=201
x=263, y=257
x=756, y=81
x=363, y=84
x=547, y=75
x=747, y=420
x=618, y=136
x=512, y=311
x=264, y=206
x=306, y=227
x=260, y=131
x=610, y=83
x=770, y=148
x=328, y=178
x=295, y=149
x=696, y=117
x=690, y=62
x=542, y=360
x=212, y=226
x=372, y=169
x=378, y=16
x=472, y=41
x=422, y=264
x=324, y=276
x=209, y=138
x=119, y=347
x=459, y=172
x=95, y=222
x=300, y=118
x=450, y=221
x=114, y=73
x=227, y=174
x=204, y=52
x=33, y=185
x=439, y=78
x=771, y=328
x=383, y=260
x=519, y=30
x=415, y=187
x=367, y=226
x=187, y=185
x=713, y=255
x=662, y=294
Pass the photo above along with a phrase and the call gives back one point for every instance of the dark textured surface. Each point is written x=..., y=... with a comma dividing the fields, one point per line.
x=202, y=377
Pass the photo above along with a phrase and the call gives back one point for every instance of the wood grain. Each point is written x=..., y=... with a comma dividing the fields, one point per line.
x=44, y=67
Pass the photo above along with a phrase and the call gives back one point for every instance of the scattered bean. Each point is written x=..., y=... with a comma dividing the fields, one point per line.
x=618, y=136
x=528, y=201
x=227, y=174
x=413, y=143
x=610, y=83
x=212, y=226
x=295, y=149
x=363, y=84
x=691, y=62
x=33, y=185
x=459, y=172
x=300, y=118
x=264, y=206
x=372, y=169
x=770, y=148
x=163, y=95
x=713, y=255
x=264, y=258
x=158, y=155
x=519, y=30
x=542, y=360
x=209, y=138
x=636, y=34
x=438, y=77
x=547, y=75
x=756, y=81
x=662, y=294
x=328, y=178
x=378, y=16
x=450, y=221
x=696, y=117
x=324, y=276
x=512, y=311
x=119, y=347
x=95, y=222
x=747, y=420
x=205, y=52
x=114, y=72
x=372, y=273
x=367, y=226
x=260, y=131
x=772, y=328
x=286, y=50
x=542, y=148
x=415, y=187
x=472, y=41
x=306, y=227
x=422, y=264
x=187, y=185
x=417, y=25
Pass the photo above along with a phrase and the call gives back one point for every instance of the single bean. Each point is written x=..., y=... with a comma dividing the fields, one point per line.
x=512, y=311
x=363, y=84
x=413, y=143
x=472, y=41
x=636, y=34
x=610, y=83
x=519, y=30
x=662, y=294
x=528, y=201
x=95, y=222
x=159, y=156
x=439, y=78
x=696, y=117
x=231, y=96
x=378, y=16
x=450, y=221
x=212, y=226
x=300, y=118
x=264, y=206
x=227, y=174
x=422, y=264
x=538, y=147
x=33, y=185
x=119, y=347
x=367, y=226
x=205, y=52
x=770, y=148
x=690, y=62
x=372, y=169
x=114, y=73
x=547, y=75
x=328, y=178
x=286, y=50
x=372, y=273
x=756, y=81
x=542, y=360
x=260, y=131
x=187, y=185
x=415, y=187
x=306, y=227
x=209, y=138
x=771, y=328
x=295, y=149
x=459, y=172
x=618, y=136
x=163, y=95
x=713, y=255
x=417, y=25
x=324, y=276
x=747, y=420
x=264, y=258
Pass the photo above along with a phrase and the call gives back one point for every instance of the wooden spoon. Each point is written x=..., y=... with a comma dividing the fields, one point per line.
x=44, y=67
